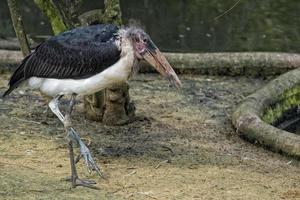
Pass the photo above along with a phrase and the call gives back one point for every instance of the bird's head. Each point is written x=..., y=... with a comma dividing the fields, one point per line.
x=145, y=49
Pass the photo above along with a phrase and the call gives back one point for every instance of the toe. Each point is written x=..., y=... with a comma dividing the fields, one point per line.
x=86, y=183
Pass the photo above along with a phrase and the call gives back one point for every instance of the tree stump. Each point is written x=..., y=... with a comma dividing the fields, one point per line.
x=111, y=106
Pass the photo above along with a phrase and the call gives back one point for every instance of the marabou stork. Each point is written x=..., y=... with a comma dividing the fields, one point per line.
x=83, y=61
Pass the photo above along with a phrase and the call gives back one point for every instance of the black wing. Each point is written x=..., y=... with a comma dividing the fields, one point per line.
x=75, y=54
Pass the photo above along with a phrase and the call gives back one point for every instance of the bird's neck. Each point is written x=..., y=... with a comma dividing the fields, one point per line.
x=127, y=55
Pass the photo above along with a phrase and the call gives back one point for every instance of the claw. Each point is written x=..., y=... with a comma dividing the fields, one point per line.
x=86, y=154
x=89, y=161
x=81, y=182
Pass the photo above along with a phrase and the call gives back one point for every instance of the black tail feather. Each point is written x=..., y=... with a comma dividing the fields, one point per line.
x=12, y=87
x=18, y=77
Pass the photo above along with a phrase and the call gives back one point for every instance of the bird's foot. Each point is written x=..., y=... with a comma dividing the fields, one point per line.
x=86, y=154
x=81, y=182
x=77, y=159
x=89, y=161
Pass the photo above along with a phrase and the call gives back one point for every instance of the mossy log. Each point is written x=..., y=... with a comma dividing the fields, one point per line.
x=290, y=99
x=247, y=118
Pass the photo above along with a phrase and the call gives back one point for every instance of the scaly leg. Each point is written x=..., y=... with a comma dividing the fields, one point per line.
x=75, y=180
x=73, y=135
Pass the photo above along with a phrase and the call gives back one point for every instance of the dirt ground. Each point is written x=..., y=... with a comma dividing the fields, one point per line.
x=180, y=146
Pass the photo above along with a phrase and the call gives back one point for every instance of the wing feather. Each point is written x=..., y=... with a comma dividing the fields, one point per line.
x=75, y=54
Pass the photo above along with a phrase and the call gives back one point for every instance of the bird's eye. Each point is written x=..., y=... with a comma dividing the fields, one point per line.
x=145, y=40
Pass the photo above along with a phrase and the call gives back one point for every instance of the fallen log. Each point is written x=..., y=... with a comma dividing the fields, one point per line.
x=8, y=57
x=229, y=64
x=9, y=44
x=235, y=63
x=248, y=116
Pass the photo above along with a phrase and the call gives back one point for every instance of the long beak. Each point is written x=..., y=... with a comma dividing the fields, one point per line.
x=155, y=58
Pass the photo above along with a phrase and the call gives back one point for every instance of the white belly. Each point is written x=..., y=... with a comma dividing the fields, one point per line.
x=119, y=72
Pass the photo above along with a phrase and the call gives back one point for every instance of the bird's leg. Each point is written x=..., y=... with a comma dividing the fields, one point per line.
x=76, y=181
x=73, y=135
x=85, y=152
x=67, y=121
x=53, y=105
x=74, y=174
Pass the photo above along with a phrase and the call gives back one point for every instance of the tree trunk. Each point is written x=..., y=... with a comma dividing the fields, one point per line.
x=112, y=12
x=56, y=20
x=69, y=11
x=111, y=106
x=18, y=26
